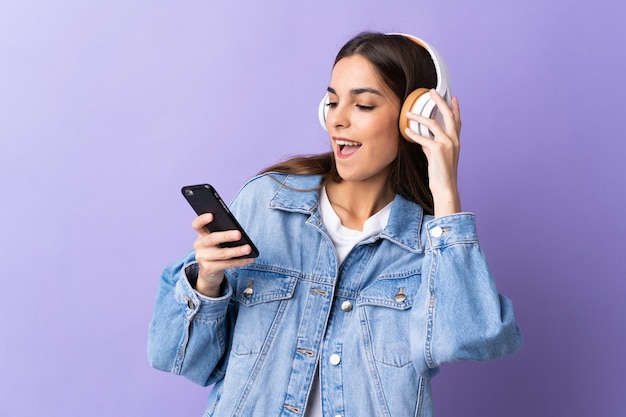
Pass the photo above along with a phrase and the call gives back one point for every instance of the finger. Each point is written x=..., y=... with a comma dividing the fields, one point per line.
x=218, y=258
x=456, y=109
x=442, y=104
x=200, y=222
x=214, y=243
x=215, y=239
x=448, y=114
x=441, y=144
x=416, y=137
x=431, y=124
x=226, y=253
x=216, y=268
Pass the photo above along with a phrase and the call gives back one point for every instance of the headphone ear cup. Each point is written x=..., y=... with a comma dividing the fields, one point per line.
x=418, y=102
x=323, y=111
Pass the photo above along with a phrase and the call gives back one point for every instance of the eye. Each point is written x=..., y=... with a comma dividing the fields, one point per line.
x=363, y=107
x=331, y=104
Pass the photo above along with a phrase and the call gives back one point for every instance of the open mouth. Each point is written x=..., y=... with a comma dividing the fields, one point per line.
x=347, y=147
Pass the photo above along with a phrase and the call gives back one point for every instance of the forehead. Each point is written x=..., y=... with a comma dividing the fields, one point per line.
x=356, y=71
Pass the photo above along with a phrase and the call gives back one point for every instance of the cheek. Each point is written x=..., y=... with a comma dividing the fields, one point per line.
x=387, y=150
x=390, y=126
x=389, y=136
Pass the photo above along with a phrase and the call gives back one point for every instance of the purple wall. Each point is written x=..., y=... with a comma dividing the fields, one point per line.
x=108, y=108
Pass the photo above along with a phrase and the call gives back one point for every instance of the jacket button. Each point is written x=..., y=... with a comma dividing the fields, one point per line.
x=400, y=296
x=335, y=359
x=436, y=232
x=190, y=303
x=346, y=306
x=249, y=289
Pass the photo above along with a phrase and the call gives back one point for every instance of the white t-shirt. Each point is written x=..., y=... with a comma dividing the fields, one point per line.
x=344, y=240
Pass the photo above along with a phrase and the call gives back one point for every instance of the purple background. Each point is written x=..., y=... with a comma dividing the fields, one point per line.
x=108, y=107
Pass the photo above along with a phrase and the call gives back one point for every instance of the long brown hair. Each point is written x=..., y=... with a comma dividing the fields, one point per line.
x=403, y=66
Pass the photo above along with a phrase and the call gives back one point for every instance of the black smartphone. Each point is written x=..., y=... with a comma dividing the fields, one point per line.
x=204, y=199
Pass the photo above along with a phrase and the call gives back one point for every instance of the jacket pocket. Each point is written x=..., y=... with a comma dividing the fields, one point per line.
x=262, y=296
x=386, y=321
x=260, y=286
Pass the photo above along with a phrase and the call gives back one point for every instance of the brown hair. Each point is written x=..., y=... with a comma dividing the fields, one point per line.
x=404, y=66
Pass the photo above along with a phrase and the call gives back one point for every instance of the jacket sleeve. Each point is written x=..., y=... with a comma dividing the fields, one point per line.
x=466, y=317
x=188, y=332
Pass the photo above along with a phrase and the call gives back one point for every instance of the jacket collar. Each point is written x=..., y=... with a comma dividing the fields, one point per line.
x=300, y=193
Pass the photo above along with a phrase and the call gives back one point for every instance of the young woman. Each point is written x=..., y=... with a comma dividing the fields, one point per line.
x=369, y=275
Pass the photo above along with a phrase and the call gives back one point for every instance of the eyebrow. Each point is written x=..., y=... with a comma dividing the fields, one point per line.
x=357, y=91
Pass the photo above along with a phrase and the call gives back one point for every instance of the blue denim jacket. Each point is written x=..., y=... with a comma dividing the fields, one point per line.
x=379, y=325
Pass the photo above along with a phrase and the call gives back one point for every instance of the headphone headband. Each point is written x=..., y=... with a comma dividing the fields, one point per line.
x=443, y=79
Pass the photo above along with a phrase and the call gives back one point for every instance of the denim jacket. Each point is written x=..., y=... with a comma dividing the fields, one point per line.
x=378, y=326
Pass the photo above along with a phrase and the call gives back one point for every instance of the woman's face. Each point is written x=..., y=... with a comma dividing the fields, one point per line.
x=362, y=121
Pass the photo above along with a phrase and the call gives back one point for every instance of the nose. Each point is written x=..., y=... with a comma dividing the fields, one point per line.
x=338, y=116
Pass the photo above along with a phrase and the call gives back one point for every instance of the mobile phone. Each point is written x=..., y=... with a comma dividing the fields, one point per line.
x=204, y=199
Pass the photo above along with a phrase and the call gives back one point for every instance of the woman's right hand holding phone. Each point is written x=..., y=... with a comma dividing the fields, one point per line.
x=213, y=259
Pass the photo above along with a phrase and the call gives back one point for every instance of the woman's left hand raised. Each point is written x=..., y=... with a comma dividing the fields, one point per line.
x=442, y=153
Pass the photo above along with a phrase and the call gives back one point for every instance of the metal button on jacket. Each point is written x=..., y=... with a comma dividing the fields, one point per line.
x=400, y=296
x=249, y=289
x=436, y=232
x=190, y=303
x=335, y=359
x=346, y=306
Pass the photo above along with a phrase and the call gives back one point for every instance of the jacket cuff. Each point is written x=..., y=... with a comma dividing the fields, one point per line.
x=452, y=229
x=196, y=305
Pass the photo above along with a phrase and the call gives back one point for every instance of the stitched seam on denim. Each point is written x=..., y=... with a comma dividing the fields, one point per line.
x=182, y=349
x=420, y=398
x=369, y=351
x=456, y=242
x=428, y=348
x=271, y=268
x=400, y=275
x=260, y=361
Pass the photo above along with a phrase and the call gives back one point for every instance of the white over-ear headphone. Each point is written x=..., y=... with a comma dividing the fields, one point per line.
x=418, y=101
